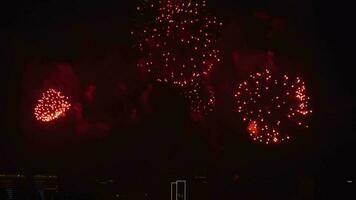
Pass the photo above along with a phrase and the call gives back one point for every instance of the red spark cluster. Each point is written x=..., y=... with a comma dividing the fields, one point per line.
x=176, y=40
x=201, y=98
x=272, y=107
x=51, y=105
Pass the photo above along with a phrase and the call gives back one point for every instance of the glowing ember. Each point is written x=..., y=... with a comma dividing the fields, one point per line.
x=252, y=128
x=52, y=105
x=272, y=107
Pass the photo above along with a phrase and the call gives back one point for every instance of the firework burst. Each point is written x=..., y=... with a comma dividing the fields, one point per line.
x=272, y=107
x=51, y=105
x=176, y=40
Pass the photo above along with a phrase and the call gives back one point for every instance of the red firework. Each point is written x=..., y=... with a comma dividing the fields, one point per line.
x=176, y=40
x=200, y=97
x=272, y=107
x=51, y=106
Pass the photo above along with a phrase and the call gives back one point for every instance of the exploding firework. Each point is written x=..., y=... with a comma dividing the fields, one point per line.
x=176, y=40
x=272, y=107
x=200, y=97
x=51, y=106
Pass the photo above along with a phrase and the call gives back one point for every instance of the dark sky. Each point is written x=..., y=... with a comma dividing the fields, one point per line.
x=318, y=34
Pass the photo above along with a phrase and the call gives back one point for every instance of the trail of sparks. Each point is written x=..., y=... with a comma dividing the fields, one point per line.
x=201, y=98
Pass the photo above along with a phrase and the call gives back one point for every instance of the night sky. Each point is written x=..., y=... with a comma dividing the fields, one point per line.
x=141, y=130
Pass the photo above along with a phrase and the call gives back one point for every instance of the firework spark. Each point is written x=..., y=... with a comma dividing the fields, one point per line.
x=200, y=97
